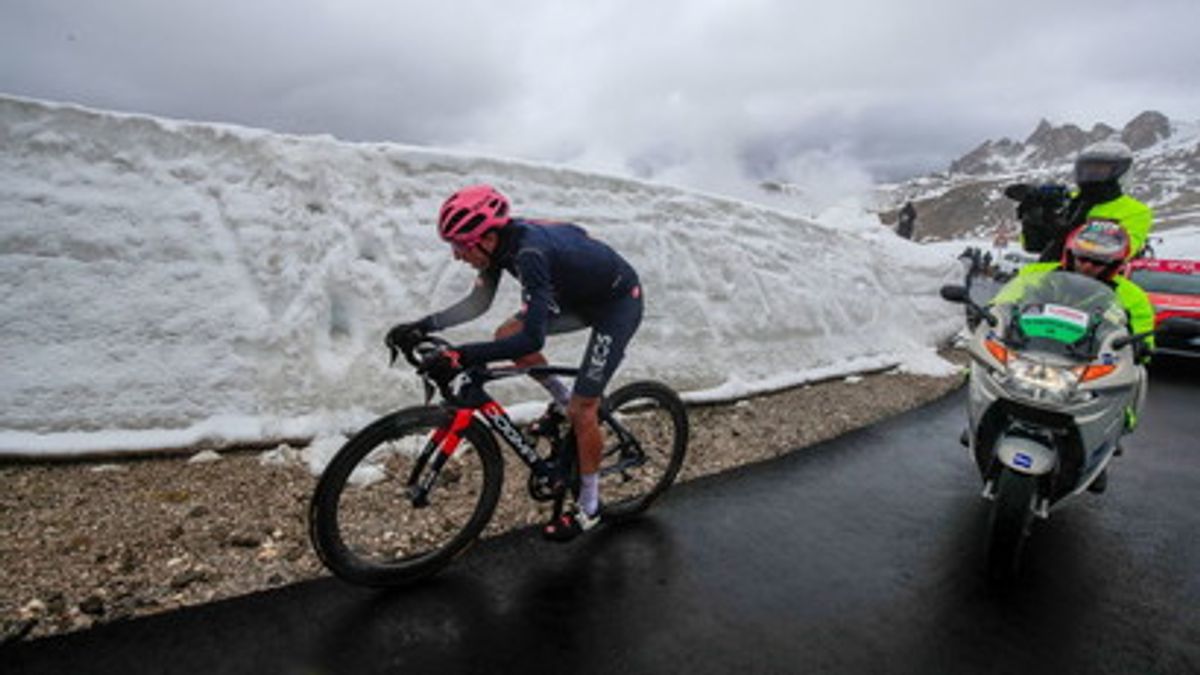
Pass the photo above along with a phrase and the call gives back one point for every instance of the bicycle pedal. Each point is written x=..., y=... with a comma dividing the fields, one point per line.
x=546, y=489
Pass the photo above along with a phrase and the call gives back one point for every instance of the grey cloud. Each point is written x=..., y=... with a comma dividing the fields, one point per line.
x=718, y=88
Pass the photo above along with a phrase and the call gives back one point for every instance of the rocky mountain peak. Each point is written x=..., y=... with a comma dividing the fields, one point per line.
x=1146, y=129
x=981, y=159
x=968, y=199
x=1050, y=144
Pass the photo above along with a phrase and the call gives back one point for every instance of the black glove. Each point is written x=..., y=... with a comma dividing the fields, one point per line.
x=441, y=366
x=404, y=336
x=1142, y=352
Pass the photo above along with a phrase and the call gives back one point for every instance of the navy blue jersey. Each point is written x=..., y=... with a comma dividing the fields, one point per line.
x=562, y=271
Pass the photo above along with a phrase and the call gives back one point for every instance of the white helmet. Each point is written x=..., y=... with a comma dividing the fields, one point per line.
x=1102, y=162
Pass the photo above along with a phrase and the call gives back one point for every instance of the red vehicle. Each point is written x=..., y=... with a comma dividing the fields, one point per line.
x=1174, y=290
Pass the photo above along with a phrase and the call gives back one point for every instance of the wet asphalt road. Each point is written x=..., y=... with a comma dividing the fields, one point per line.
x=861, y=555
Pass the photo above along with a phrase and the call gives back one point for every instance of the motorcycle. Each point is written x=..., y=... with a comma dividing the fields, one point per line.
x=1056, y=380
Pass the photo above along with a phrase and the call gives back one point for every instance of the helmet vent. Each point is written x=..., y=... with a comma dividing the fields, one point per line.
x=455, y=218
x=473, y=223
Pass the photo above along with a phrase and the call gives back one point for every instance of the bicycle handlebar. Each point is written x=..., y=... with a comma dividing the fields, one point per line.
x=417, y=352
x=428, y=345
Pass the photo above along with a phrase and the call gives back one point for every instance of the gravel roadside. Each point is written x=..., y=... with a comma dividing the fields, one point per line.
x=92, y=542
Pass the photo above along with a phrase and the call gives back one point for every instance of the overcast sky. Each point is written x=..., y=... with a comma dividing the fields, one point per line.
x=701, y=92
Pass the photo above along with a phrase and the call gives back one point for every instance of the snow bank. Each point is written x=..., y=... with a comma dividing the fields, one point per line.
x=165, y=283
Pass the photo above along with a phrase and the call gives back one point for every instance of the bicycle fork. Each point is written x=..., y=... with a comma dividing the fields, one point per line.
x=440, y=447
x=548, y=480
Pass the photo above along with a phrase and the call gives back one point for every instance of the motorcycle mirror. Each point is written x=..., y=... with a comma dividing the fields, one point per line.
x=1179, y=326
x=1120, y=342
x=955, y=293
x=962, y=294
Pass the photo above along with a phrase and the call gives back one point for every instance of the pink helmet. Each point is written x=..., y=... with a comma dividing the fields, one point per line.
x=470, y=213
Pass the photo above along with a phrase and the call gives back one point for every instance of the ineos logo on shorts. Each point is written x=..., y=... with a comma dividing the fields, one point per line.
x=599, y=357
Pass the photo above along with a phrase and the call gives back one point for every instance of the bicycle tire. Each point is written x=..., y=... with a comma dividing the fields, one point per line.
x=361, y=498
x=657, y=418
x=1009, y=523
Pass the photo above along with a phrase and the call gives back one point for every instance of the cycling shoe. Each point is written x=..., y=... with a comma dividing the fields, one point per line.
x=570, y=525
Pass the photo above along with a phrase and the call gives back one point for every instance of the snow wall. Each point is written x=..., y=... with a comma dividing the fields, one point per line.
x=229, y=285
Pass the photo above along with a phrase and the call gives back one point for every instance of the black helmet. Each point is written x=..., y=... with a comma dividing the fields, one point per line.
x=1102, y=162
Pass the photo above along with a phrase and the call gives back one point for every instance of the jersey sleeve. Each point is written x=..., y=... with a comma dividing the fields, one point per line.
x=1138, y=305
x=1138, y=224
x=537, y=295
x=482, y=294
x=1015, y=288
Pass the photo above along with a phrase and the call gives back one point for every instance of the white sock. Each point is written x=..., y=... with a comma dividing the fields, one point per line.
x=589, y=493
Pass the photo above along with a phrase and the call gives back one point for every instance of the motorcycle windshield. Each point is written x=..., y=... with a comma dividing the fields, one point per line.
x=1060, y=309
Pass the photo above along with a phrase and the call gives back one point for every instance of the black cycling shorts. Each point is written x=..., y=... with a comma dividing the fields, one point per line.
x=613, y=325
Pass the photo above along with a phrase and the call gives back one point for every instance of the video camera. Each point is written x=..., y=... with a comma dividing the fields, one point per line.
x=1041, y=209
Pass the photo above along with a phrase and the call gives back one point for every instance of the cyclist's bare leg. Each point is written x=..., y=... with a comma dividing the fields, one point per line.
x=583, y=411
x=558, y=390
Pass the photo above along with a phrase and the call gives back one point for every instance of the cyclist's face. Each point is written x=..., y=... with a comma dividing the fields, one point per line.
x=480, y=255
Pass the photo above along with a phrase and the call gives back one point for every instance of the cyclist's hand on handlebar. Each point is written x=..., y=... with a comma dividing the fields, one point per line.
x=441, y=365
x=403, y=337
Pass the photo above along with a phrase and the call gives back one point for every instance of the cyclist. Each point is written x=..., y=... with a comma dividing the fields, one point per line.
x=569, y=281
x=1048, y=213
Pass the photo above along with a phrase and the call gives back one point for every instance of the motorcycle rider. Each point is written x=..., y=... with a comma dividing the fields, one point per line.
x=1048, y=213
x=568, y=281
x=1100, y=249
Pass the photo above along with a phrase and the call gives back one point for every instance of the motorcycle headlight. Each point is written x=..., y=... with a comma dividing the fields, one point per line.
x=1039, y=381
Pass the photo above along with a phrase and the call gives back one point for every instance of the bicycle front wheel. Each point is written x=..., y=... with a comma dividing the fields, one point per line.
x=645, y=430
x=388, y=511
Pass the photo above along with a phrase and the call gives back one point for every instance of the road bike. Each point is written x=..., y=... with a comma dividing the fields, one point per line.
x=412, y=490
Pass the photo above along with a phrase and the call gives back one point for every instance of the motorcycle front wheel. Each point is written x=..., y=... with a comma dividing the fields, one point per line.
x=1010, y=521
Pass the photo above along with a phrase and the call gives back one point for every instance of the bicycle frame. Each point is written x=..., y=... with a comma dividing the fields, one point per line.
x=472, y=401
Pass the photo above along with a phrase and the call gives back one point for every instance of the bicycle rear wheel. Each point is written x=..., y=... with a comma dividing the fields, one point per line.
x=369, y=519
x=645, y=440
